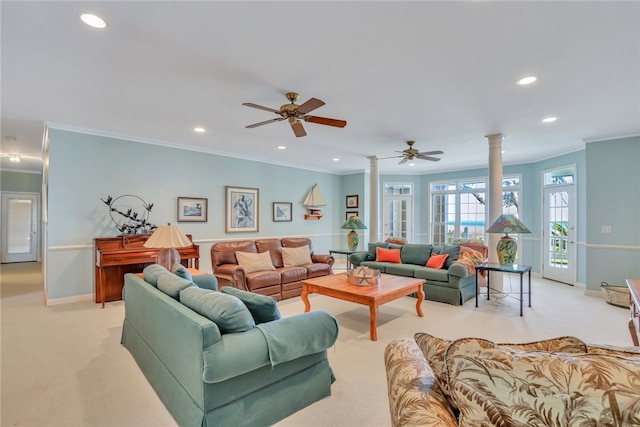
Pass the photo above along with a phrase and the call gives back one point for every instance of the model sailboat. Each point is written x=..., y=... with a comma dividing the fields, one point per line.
x=312, y=201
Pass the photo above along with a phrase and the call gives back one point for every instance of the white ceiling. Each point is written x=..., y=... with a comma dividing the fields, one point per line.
x=440, y=73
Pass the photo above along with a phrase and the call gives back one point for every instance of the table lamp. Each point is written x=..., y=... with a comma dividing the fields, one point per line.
x=353, y=223
x=167, y=238
x=507, y=247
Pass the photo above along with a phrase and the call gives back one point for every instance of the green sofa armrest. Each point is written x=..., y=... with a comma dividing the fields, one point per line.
x=459, y=270
x=358, y=257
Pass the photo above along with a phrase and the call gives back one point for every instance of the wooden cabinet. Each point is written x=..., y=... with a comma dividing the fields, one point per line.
x=116, y=256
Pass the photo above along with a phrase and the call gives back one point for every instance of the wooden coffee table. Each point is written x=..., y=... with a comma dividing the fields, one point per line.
x=390, y=288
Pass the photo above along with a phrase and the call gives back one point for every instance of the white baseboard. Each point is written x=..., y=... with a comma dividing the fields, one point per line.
x=67, y=300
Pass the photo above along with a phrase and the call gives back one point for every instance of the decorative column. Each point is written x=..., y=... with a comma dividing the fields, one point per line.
x=495, y=201
x=374, y=192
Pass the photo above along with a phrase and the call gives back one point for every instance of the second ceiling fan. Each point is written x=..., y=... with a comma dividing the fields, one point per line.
x=412, y=153
x=296, y=114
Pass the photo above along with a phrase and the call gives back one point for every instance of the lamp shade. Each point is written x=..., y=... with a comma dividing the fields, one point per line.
x=507, y=247
x=167, y=238
x=506, y=224
x=353, y=223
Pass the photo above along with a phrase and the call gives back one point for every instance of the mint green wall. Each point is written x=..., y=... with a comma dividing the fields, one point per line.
x=613, y=199
x=85, y=168
x=20, y=182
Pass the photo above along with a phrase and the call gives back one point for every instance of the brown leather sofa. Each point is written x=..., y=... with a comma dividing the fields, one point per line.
x=283, y=283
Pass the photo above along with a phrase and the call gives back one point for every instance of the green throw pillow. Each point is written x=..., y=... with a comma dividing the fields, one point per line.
x=181, y=271
x=226, y=311
x=453, y=252
x=263, y=308
x=152, y=272
x=171, y=285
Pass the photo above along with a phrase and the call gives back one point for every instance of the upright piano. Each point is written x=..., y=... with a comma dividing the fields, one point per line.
x=115, y=256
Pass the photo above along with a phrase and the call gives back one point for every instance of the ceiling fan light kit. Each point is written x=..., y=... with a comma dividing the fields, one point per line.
x=295, y=114
x=412, y=153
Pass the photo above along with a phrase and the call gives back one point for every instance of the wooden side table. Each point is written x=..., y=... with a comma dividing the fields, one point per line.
x=634, y=306
x=515, y=268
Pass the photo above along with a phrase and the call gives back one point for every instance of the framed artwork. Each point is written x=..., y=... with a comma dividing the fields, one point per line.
x=352, y=201
x=349, y=214
x=241, y=209
x=282, y=211
x=192, y=209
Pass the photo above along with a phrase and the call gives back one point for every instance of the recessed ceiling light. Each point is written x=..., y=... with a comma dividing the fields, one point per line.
x=14, y=158
x=549, y=119
x=281, y=147
x=93, y=20
x=198, y=129
x=527, y=80
x=412, y=164
x=336, y=159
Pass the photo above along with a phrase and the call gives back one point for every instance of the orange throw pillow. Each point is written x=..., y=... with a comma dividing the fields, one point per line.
x=388, y=255
x=437, y=261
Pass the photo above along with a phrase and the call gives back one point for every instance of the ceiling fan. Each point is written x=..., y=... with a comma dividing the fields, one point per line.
x=296, y=114
x=412, y=153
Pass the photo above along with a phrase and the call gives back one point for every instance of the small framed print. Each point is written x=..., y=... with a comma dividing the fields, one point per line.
x=282, y=211
x=192, y=209
x=352, y=201
x=349, y=214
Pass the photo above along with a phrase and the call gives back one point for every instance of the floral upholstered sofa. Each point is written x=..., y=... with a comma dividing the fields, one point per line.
x=474, y=382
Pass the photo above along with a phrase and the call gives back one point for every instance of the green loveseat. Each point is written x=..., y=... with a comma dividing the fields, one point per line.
x=453, y=284
x=208, y=377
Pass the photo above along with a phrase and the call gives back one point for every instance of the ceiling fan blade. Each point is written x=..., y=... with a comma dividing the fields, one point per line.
x=260, y=107
x=428, y=153
x=403, y=160
x=433, y=159
x=298, y=129
x=326, y=121
x=310, y=105
x=266, y=122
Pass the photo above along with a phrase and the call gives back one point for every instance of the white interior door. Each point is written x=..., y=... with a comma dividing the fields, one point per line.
x=396, y=218
x=559, y=234
x=19, y=227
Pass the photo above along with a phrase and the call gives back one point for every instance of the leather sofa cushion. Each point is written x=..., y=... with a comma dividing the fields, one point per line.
x=263, y=279
x=226, y=311
x=226, y=251
x=296, y=242
x=416, y=253
x=317, y=270
x=274, y=247
x=292, y=274
x=262, y=308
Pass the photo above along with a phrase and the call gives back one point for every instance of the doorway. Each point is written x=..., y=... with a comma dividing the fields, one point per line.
x=559, y=234
x=20, y=219
x=397, y=211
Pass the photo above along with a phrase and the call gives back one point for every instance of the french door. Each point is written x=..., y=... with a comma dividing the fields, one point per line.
x=397, y=211
x=559, y=234
x=20, y=217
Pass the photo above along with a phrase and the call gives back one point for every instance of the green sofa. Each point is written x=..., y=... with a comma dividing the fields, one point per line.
x=454, y=284
x=207, y=376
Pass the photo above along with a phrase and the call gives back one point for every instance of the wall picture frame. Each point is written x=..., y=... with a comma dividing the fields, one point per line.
x=352, y=201
x=242, y=209
x=349, y=214
x=282, y=211
x=192, y=209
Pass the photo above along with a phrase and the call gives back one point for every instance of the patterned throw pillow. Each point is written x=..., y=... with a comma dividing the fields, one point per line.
x=255, y=262
x=435, y=350
x=292, y=257
x=388, y=255
x=437, y=261
x=470, y=258
x=493, y=386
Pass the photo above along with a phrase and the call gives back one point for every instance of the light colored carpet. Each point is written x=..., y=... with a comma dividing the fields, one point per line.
x=64, y=365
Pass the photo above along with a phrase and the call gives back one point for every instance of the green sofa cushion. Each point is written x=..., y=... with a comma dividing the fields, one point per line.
x=171, y=285
x=452, y=251
x=432, y=274
x=152, y=272
x=263, y=308
x=401, y=269
x=416, y=253
x=205, y=281
x=226, y=311
x=371, y=256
